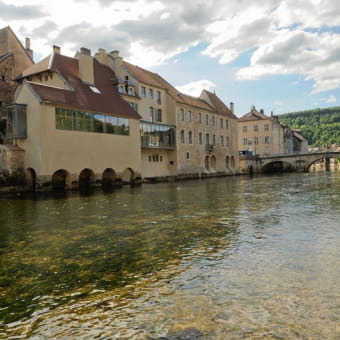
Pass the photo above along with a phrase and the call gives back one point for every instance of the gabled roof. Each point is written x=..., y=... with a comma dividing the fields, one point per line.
x=155, y=80
x=82, y=96
x=143, y=76
x=4, y=56
x=218, y=104
x=9, y=43
x=42, y=66
x=253, y=115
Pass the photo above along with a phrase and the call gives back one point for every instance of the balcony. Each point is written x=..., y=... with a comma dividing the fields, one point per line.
x=209, y=147
x=159, y=136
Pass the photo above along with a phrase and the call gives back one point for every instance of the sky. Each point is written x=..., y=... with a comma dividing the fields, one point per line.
x=277, y=55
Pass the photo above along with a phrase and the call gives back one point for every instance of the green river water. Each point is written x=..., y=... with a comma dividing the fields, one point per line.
x=226, y=258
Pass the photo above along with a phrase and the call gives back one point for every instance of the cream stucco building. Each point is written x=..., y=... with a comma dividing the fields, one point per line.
x=72, y=124
x=181, y=135
x=262, y=135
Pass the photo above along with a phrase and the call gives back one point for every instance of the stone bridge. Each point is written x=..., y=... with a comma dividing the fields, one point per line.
x=296, y=162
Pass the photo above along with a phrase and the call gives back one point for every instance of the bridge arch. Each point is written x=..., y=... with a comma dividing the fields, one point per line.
x=295, y=162
x=277, y=166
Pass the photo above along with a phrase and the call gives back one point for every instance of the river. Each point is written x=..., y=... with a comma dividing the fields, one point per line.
x=226, y=258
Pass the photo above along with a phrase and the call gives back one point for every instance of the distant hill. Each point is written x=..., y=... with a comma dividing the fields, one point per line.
x=321, y=127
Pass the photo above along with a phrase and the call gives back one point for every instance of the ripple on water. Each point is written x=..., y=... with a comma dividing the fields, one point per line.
x=233, y=259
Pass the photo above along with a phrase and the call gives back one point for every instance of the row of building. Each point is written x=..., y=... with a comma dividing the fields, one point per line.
x=97, y=119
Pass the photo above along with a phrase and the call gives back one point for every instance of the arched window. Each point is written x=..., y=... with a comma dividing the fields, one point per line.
x=227, y=162
x=206, y=162
x=213, y=162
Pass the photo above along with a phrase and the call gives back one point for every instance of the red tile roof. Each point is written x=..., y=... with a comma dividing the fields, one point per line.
x=218, y=104
x=155, y=80
x=81, y=97
x=253, y=115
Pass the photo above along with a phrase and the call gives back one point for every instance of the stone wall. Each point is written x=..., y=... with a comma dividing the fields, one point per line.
x=12, y=164
x=7, y=85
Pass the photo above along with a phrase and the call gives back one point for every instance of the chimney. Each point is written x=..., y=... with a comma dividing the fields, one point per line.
x=262, y=111
x=56, y=49
x=117, y=63
x=86, y=70
x=28, y=47
x=232, y=107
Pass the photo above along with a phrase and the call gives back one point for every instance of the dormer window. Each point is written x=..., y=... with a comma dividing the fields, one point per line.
x=94, y=89
x=121, y=89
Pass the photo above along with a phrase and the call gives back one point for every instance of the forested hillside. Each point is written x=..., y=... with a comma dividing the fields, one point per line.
x=321, y=127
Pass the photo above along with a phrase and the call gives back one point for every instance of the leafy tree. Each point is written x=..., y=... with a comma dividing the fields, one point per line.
x=321, y=127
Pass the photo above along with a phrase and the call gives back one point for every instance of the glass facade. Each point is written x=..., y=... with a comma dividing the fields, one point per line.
x=16, y=121
x=68, y=119
x=157, y=135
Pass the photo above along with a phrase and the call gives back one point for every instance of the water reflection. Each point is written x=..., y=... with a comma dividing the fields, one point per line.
x=244, y=257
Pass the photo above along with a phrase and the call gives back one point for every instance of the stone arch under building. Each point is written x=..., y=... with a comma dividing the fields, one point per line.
x=61, y=180
x=128, y=176
x=31, y=179
x=86, y=179
x=108, y=178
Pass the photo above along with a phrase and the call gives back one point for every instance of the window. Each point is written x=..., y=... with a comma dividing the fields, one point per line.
x=98, y=122
x=199, y=117
x=159, y=115
x=16, y=121
x=266, y=127
x=207, y=138
x=206, y=120
x=84, y=122
x=151, y=114
x=93, y=89
x=181, y=114
x=189, y=116
x=227, y=124
x=121, y=89
x=156, y=135
x=200, y=139
x=222, y=140
x=182, y=137
x=151, y=93
x=187, y=155
x=227, y=140
x=214, y=139
x=159, y=100
x=143, y=91
x=256, y=128
x=131, y=92
x=67, y=119
x=266, y=140
x=221, y=123
x=190, y=137
x=244, y=128
x=256, y=140
x=245, y=141
x=213, y=121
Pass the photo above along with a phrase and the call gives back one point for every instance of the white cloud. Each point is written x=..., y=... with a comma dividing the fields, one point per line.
x=195, y=88
x=282, y=36
x=331, y=99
